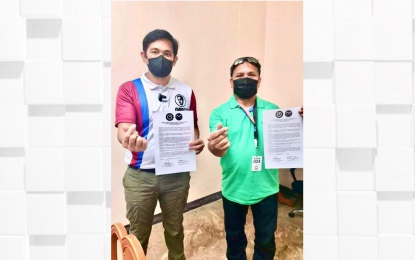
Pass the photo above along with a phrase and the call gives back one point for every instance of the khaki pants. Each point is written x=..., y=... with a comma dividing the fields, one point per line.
x=142, y=190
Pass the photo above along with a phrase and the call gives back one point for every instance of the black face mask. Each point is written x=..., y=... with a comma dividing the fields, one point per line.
x=245, y=88
x=160, y=66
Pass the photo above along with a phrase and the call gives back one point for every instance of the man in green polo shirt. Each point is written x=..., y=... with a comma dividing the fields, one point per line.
x=237, y=137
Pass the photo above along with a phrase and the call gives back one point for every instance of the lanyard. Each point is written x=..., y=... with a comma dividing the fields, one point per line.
x=255, y=125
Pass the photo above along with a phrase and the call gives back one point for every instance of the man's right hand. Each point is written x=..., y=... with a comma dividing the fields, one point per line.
x=218, y=141
x=132, y=141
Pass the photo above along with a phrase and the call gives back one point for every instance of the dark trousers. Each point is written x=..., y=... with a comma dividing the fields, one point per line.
x=265, y=215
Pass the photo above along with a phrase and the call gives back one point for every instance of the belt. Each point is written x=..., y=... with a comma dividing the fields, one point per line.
x=143, y=170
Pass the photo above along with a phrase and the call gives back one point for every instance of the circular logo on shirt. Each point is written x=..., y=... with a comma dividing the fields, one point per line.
x=288, y=113
x=180, y=100
x=279, y=114
x=169, y=116
x=179, y=116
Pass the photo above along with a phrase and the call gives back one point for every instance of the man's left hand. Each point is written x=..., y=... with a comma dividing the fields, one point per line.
x=197, y=145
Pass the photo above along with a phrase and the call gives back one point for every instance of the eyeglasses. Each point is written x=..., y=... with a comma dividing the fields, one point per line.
x=248, y=59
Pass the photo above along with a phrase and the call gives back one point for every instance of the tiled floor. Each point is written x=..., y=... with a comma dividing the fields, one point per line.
x=205, y=236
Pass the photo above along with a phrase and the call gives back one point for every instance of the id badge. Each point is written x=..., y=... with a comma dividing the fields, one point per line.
x=256, y=163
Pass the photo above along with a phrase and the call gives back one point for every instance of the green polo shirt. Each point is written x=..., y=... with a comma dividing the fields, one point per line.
x=239, y=183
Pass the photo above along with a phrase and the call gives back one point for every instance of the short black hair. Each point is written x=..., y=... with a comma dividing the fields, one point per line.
x=158, y=35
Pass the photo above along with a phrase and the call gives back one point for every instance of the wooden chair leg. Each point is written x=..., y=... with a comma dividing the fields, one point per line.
x=118, y=232
x=131, y=248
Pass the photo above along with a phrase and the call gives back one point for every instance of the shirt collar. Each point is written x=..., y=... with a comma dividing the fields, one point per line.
x=153, y=86
x=233, y=104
